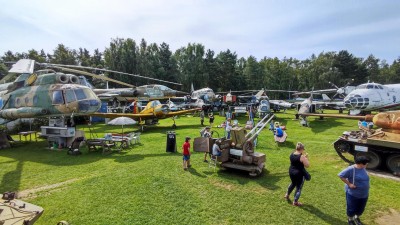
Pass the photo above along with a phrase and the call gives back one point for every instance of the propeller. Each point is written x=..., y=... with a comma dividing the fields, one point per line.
x=341, y=91
x=165, y=109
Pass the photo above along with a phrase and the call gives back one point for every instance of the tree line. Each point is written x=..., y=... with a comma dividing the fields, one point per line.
x=221, y=71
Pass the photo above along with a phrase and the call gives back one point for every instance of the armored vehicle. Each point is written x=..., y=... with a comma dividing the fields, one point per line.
x=381, y=145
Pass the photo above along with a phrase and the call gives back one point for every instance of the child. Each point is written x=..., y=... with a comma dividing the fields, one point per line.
x=207, y=134
x=211, y=116
x=186, y=153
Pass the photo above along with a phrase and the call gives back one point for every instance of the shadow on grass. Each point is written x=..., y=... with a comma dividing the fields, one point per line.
x=318, y=213
x=11, y=180
x=265, y=179
x=286, y=144
x=318, y=125
x=136, y=157
x=194, y=172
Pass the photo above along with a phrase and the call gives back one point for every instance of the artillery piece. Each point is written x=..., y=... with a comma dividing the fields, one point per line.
x=382, y=144
x=238, y=152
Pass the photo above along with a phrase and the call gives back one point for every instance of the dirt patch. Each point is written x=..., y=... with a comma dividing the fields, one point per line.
x=228, y=187
x=31, y=193
x=392, y=218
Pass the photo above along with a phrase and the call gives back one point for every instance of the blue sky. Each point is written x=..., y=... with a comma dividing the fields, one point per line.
x=285, y=28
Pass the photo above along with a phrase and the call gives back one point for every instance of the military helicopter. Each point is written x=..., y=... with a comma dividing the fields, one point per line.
x=132, y=93
x=48, y=94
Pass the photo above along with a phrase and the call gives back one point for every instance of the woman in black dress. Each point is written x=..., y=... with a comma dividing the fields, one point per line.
x=298, y=160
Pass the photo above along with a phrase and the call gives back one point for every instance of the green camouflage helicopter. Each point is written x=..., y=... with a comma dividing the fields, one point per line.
x=48, y=94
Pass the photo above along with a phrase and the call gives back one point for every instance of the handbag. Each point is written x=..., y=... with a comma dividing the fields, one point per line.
x=307, y=175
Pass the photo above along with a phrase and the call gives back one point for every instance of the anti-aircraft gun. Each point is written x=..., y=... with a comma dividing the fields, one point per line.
x=380, y=145
x=238, y=152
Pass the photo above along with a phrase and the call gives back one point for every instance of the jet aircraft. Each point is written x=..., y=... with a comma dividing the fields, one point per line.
x=149, y=115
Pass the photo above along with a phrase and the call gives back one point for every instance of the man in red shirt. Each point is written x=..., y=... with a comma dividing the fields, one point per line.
x=186, y=153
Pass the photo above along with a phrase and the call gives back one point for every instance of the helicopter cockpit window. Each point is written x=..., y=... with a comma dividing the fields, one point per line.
x=362, y=86
x=35, y=99
x=57, y=98
x=150, y=91
x=89, y=93
x=380, y=86
x=370, y=86
x=80, y=94
x=165, y=88
x=69, y=96
x=157, y=91
x=156, y=103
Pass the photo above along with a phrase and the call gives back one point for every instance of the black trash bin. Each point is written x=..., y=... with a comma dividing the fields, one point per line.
x=171, y=141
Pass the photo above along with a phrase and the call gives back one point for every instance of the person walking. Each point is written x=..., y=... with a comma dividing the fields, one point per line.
x=186, y=153
x=202, y=117
x=298, y=163
x=228, y=128
x=357, y=186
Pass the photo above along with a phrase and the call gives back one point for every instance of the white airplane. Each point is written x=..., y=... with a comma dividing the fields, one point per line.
x=207, y=94
x=373, y=96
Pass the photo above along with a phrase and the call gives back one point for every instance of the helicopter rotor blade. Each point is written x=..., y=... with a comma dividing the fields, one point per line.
x=113, y=71
x=92, y=75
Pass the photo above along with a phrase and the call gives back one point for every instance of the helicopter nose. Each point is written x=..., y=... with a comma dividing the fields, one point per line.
x=181, y=93
x=356, y=102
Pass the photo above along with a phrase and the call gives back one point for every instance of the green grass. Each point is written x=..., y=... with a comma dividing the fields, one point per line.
x=146, y=185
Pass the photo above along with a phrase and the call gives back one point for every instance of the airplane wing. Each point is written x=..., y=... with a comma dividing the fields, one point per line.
x=142, y=116
x=130, y=115
x=324, y=91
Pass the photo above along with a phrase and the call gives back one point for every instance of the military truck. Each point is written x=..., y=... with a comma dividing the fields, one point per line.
x=381, y=145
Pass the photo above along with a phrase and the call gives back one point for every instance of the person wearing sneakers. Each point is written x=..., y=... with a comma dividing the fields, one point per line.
x=298, y=160
x=186, y=153
x=357, y=186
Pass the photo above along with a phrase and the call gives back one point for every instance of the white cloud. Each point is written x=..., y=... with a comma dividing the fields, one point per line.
x=259, y=28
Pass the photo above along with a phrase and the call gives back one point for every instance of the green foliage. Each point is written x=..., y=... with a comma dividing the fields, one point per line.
x=146, y=185
x=221, y=71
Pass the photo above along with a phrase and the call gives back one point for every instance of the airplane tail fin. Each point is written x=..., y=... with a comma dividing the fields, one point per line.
x=191, y=88
x=260, y=93
x=325, y=97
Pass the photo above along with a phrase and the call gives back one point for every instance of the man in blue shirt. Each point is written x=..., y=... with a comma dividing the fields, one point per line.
x=357, y=185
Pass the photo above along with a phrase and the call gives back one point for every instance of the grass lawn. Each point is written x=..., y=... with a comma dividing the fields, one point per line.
x=146, y=185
